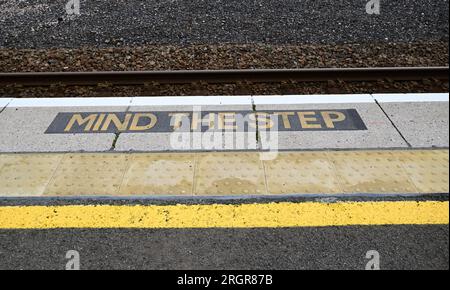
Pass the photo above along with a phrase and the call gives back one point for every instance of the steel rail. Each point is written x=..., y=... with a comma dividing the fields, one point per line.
x=223, y=76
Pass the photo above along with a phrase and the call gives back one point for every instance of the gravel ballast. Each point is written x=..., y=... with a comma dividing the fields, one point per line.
x=116, y=35
x=243, y=88
x=45, y=23
x=255, y=56
x=244, y=56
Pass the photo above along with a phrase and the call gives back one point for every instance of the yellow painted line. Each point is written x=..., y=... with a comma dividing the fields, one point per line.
x=224, y=173
x=273, y=215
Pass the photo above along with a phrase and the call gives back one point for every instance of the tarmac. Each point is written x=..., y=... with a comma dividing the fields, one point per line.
x=244, y=182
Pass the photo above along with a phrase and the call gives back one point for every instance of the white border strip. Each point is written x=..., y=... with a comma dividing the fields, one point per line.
x=401, y=98
x=221, y=100
x=70, y=102
x=192, y=101
x=312, y=99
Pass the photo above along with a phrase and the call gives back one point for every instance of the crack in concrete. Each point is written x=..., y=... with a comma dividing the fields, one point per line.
x=393, y=124
x=258, y=137
x=117, y=134
x=4, y=108
x=113, y=145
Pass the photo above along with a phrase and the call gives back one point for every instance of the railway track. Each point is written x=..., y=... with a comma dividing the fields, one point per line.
x=34, y=79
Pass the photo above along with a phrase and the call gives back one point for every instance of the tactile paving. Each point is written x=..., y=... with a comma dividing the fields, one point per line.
x=26, y=174
x=4, y=158
x=371, y=172
x=229, y=174
x=89, y=174
x=159, y=174
x=304, y=172
x=428, y=169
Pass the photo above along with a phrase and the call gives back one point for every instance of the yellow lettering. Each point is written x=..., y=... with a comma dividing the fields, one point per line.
x=134, y=124
x=262, y=119
x=305, y=120
x=100, y=119
x=331, y=117
x=227, y=121
x=121, y=126
x=80, y=121
x=177, y=119
x=285, y=117
x=196, y=120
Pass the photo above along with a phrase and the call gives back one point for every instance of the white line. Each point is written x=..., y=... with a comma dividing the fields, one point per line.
x=410, y=98
x=70, y=102
x=132, y=101
x=313, y=99
x=221, y=100
x=191, y=101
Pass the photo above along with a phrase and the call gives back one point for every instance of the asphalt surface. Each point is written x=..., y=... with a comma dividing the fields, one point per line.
x=400, y=247
x=205, y=200
x=344, y=247
x=42, y=24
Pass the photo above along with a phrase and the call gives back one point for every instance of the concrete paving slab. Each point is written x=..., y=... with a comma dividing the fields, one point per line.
x=224, y=173
x=379, y=134
x=159, y=174
x=88, y=174
x=306, y=172
x=184, y=141
x=22, y=129
x=26, y=174
x=229, y=173
x=30, y=126
x=164, y=142
x=371, y=171
x=4, y=102
x=423, y=124
x=421, y=166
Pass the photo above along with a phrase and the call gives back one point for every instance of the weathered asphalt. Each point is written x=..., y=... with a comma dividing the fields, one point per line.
x=203, y=200
x=400, y=247
x=42, y=24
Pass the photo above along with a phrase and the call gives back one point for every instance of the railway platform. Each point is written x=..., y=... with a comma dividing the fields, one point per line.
x=213, y=146
x=271, y=167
